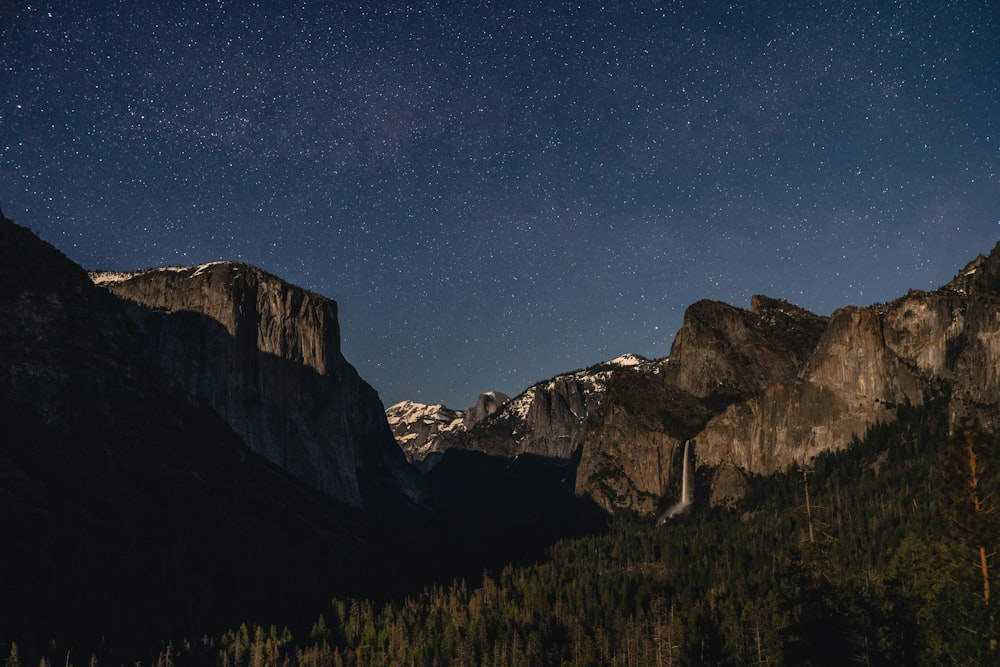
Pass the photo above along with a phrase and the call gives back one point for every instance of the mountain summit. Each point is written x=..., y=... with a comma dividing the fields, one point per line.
x=757, y=391
x=266, y=356
x=131, y=501
x=760, y=390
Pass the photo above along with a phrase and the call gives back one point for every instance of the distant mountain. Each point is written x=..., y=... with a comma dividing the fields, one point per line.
x=422, y=429
x=509, y=455
x=548, y=418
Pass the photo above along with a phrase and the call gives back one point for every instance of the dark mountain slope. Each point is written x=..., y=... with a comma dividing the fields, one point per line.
x=129, y=510
x=266, y=356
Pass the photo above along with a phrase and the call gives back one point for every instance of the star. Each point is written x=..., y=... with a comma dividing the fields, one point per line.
x=496, y=193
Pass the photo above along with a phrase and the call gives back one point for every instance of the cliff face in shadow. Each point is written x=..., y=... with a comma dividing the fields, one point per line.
x=721, y=349
x=131, y=510
x=265, y=355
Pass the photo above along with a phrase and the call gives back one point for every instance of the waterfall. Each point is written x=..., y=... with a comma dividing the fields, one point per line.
x=687, y=487
x=686, y=482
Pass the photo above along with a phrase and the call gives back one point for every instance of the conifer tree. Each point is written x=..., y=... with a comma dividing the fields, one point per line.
x=969, y=504
x=14, y=658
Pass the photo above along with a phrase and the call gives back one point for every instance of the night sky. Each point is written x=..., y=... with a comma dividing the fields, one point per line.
x=495, y=193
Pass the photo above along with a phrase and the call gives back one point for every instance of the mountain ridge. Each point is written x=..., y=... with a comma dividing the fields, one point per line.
x=266, y=356
x=132, y=510
x=759, y=390
x=756, y=389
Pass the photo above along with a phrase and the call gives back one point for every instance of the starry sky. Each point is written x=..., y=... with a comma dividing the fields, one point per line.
x=497, y=192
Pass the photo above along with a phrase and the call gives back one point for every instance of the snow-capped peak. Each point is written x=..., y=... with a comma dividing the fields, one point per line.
x=628, y=359
x=419, y=428
x=109, y=277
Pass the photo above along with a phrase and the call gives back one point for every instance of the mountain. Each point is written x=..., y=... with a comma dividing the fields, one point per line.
x=761, y=390
x=186, y=449
x=487, y=404
x=510, y=456
x=547, y=419
x=756, y=391
x=721, y=356
x=420, y=429
x=868, y=362
x=265, y=355
x=131, y=509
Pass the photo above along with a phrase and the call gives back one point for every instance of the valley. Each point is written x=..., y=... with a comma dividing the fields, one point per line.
x=193, y=472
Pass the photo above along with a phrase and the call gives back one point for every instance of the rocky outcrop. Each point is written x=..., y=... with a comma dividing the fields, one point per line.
x=868, y=361
x=628, y=461
x=851, y=380
x=724, y=350
x=721, y=357
x=763, y=389
x=487, y=404
x=266, y=356
x=548, y=418
x=972, y=338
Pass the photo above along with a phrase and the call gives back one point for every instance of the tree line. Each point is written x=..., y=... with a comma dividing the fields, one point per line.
x=880, y=554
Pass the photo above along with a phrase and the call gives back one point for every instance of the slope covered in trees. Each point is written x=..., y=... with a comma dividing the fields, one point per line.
x=885, y=563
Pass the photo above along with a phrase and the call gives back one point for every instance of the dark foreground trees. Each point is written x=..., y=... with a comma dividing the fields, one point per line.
x=897, y=571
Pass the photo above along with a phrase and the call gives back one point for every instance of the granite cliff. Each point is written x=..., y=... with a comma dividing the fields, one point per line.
x=867, y=362
x=265, y=355
x=129, y=505
x=548, y=418
x=487, y=403
x=721, y=356
x=760, y=390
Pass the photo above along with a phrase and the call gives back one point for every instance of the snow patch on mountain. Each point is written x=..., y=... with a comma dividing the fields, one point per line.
x=111, y=277
x=423, y=429
x=419, y=428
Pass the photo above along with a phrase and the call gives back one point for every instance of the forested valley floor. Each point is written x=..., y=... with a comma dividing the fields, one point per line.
x=877, y=555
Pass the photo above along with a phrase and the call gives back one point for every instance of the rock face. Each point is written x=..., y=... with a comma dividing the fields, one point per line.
x=867, y=362
x=628, y=461
x=59, y=334
x=763, y=389
x=723, y=350
x=487, y=403
x=851, y=380
x=265, y=355
x=721, y=357
x=548, y=418
x=129, y=506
